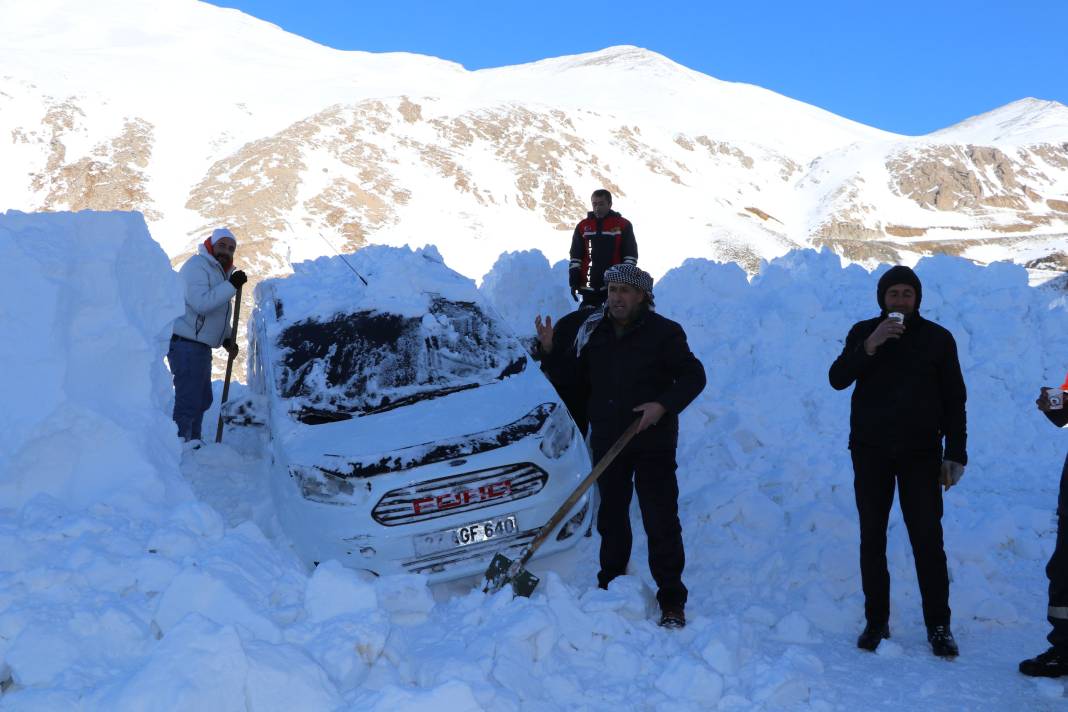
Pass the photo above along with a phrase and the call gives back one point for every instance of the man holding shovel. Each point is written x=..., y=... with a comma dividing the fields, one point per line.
x=628, y=362
x=210, y=282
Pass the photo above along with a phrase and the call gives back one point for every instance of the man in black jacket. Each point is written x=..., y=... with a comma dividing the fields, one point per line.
x=909, y=396
x=603, y=239
x=1054, y=662
x=625, y=360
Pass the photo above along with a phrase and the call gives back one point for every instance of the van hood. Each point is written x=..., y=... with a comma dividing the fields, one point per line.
x=460, y=424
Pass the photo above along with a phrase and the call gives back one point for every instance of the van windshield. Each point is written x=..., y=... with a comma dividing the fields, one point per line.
x=368, y=362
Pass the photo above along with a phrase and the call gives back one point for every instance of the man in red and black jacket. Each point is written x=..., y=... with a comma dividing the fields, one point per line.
x=604, y=239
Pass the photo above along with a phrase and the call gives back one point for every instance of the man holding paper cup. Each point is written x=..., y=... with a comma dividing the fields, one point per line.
x=1054, y=662
x=909, y=397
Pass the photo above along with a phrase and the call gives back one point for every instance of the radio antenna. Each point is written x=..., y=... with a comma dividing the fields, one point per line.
x=336, y=252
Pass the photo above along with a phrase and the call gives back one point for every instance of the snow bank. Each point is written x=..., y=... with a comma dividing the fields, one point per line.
x=121, y=590
x=118, y=590
x=765, y=476
x=87, y=303
x=521, y=284
x=786, y=529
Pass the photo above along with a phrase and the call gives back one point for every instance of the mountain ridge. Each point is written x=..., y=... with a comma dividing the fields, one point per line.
x=198, y=116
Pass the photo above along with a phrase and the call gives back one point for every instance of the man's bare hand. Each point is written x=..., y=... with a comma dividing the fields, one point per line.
x=888, y=329
x=651, y=414
x=545, y=333
x=231, y=347
x=950, y=474
x=1043, y=400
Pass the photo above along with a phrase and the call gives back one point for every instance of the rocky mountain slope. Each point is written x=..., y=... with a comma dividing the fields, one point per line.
x=199, y=116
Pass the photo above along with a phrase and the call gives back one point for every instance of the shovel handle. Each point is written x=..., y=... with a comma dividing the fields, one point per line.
x=229, y=366
x=586, y=483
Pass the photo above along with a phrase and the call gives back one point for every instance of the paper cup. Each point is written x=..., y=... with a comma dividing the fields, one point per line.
x=896, y=316
x=1055, y=396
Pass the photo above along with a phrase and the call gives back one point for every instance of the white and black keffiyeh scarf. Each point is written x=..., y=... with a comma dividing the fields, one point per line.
x=623, y=273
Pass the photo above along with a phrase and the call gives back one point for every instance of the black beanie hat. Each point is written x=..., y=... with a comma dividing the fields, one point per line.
x=899, y=274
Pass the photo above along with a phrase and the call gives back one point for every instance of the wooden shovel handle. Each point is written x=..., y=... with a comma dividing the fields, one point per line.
x=229, y=365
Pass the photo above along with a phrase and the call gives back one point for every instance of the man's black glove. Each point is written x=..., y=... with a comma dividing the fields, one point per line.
x=574, y=279
x=237, y=278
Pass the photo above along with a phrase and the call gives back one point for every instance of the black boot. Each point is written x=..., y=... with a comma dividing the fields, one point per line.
x=673, y=616
x=872, y=635
x=942, y=643
x=1049, y=664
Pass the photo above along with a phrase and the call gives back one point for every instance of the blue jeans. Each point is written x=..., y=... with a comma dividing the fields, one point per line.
x=190, y=364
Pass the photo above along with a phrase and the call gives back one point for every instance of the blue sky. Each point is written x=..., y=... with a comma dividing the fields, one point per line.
x=906, y=66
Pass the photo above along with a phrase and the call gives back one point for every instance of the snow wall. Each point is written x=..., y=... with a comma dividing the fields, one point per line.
x=119, y=590
x=87, y=302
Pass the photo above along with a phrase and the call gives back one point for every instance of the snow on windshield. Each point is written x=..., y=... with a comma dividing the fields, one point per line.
x=420, y=333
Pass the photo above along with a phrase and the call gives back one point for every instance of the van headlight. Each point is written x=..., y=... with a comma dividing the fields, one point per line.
x=557, y=433
x=572, y=525
x=320, y=486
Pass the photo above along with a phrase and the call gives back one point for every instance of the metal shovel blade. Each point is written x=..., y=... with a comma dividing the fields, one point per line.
x=500, y=573
x=503, y=570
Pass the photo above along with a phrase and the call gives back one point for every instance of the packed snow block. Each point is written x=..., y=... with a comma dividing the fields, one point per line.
x=575, y=625
x=334, y=590
x=237, y=579
x=717, y=281
x=88, y=300
x=522, y=285
x=40, y=653
x=204, y=593
x=199, y=666
x=794, y=628
x=453, y=696
x=345, y=646
x=686, y=679
x=404, y=595
x=282, y=677
x=720, y=645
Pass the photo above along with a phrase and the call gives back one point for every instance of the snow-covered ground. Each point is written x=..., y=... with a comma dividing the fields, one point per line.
x=131, y=578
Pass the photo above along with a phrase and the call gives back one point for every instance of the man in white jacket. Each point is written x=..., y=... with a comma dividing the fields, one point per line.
x=210, y=282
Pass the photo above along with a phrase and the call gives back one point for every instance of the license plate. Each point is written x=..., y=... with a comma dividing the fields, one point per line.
x=466, y=535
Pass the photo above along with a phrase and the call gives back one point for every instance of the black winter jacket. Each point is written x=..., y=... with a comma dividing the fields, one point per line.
x=909, y=394
x=650, y=362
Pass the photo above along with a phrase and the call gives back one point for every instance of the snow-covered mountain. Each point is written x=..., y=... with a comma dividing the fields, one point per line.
x=199, y=116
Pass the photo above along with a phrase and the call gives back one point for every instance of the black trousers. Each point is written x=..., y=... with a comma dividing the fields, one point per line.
x=1057, y=573
x=650, y=471
x=874, y=473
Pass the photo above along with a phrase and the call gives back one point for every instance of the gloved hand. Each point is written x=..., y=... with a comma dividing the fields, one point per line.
x=574, y=278
x=231, y=347
x=952, y=472
x=237, y=278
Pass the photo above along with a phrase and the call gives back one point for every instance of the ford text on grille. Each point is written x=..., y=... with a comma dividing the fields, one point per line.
x=461, y=492
x=449, y=500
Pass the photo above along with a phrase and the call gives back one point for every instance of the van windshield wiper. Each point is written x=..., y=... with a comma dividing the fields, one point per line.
x=417, y=397
x=318, y=416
